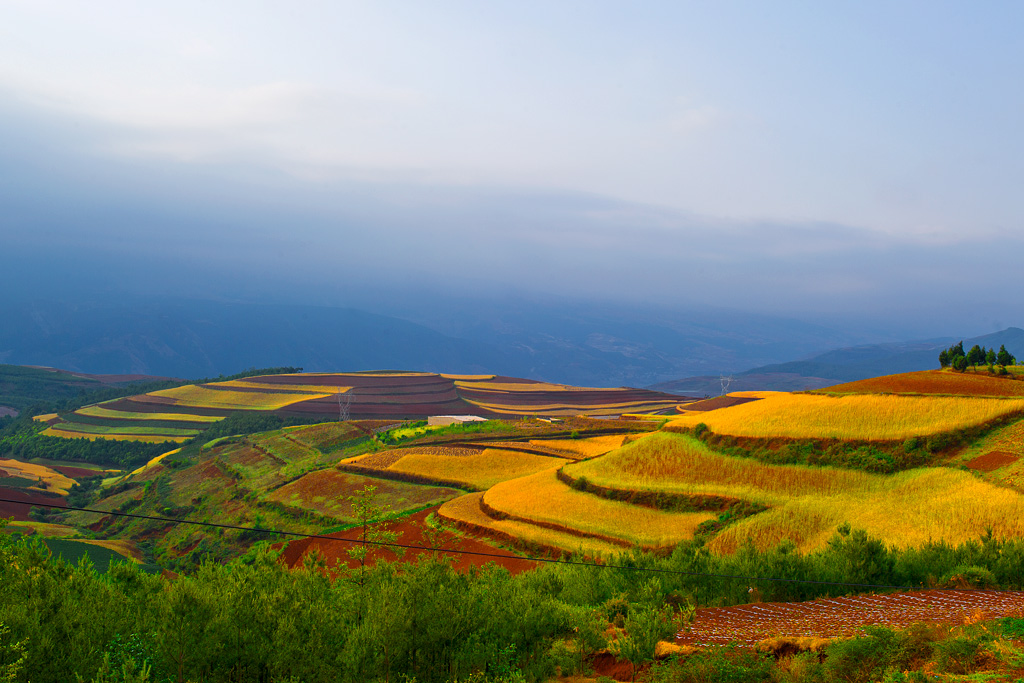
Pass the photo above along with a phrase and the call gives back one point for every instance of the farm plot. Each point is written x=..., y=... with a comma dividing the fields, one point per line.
x=544, y=500
x=999, y=455
x=845, y=617
x=326, y=492
x=513, y=396
x=939, y=382
x=42, y=478
x=466, y=514
x=808, y=503
x=409, y=532
x=584, y=448
x=477, y=469
x=59, y=432
x=210, y=396
x=102, y=411
x=856, y=417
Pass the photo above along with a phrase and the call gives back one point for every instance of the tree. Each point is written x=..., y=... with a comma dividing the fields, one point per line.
x=368, y=514
x=990, y=357
x=1003, y=357
x=959, y=363
x=944, y=358
x=976, y=356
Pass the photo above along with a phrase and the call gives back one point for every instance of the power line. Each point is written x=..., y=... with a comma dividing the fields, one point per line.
x=579, y=563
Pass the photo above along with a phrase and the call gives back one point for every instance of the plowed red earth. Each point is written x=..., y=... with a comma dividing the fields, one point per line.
x=992, y=461
x=839, y=617
x=17, y=510
x=934, y=382
x=410, y=532
x=76, y=472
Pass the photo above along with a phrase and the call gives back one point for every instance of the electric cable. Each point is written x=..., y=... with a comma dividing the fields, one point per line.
x=454, y=551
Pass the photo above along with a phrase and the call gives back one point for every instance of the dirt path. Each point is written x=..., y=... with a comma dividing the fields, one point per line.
x=837, y=617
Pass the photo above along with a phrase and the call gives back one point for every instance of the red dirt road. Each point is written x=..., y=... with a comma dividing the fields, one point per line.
x=410, y=532
x=839, y=617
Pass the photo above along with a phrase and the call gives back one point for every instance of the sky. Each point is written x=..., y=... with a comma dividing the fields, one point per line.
x=855, y=161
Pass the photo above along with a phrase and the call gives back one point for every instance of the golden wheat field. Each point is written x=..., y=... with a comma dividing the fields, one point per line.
x=543, y=498
x=58, y=432
x=466, y=510
x=858, y=417
x=202, y=397
x=480, y=470
x=275, y=387
x=584, y=448
x=808, y=503
x=100, y=411
x=53, y=480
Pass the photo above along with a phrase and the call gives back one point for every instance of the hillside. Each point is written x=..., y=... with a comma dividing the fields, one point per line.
x=841, y=365
x=181, y=413
x=22, y=386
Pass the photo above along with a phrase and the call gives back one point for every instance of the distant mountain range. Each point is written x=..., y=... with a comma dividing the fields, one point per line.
x=580, y=345
x=840, y=365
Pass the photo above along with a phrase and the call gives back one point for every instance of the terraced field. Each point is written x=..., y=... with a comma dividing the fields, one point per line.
x=808, y=503
x=473, y=468
x=935, y=382
x=864, y=417
x=183, y=412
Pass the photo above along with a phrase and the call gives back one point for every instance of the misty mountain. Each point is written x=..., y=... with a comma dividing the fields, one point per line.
x=843, y=365
x=582, y=345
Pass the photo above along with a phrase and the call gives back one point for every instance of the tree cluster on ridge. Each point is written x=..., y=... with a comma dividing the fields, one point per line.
x=955, y=357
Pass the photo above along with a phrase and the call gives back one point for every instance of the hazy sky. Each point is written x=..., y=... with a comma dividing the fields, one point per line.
x=809, y=158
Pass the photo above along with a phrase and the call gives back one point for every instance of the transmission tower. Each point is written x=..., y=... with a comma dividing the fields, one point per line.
x=726, y=381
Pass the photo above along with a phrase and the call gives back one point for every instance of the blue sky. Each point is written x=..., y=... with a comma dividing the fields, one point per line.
x=807, y=158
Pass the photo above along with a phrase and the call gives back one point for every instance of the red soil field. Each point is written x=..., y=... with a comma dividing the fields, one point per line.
x=841, y=617
x=75, y=472
x=410, y=532
x=992, y=461
x=718, y=402
x=933, y=382
x=18, y=511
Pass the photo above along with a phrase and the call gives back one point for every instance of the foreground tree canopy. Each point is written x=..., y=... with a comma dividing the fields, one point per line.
x=255, y=620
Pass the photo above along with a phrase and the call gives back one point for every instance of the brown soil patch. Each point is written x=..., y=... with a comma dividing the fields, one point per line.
x=410, y=532
x=605, y=664
x=992, y=461
x=76, y=472
x=18, y=510
x=934, y=382
x=6, y=411
x=842, y=617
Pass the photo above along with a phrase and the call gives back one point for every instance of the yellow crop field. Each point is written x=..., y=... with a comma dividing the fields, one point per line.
x=100, y=411
x=58, y=432
x=480, y=470
x=153, y=462
x=584, y=448
x=53, y=480
x=808, y=503
x=271, y=387
x=543, y=498
x=45, y=418
x=466, y=510
x=860, y=417
x=200, y=396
